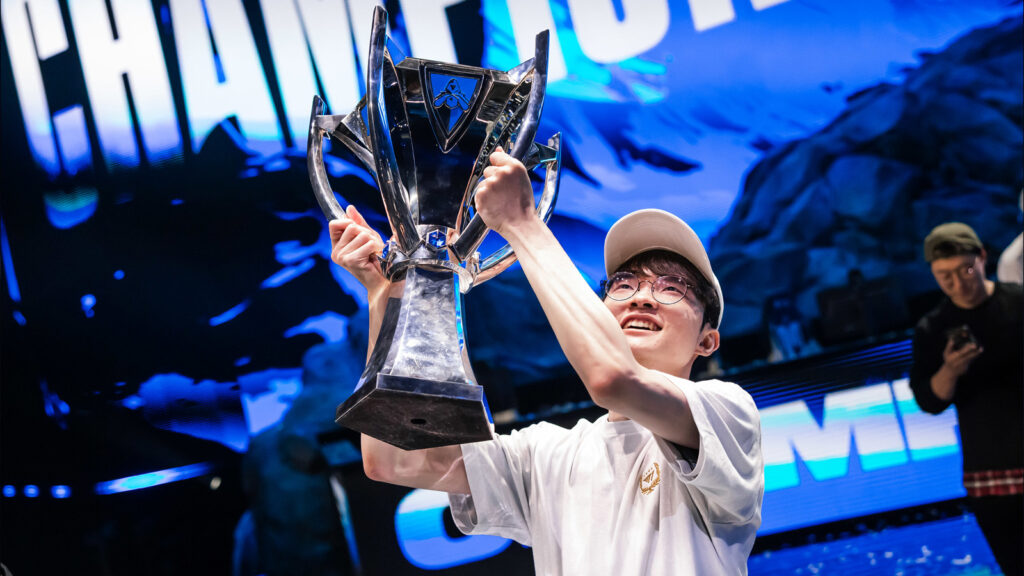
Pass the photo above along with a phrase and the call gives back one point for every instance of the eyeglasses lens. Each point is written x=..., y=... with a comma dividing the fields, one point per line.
x=669, y=289
x=622, y=285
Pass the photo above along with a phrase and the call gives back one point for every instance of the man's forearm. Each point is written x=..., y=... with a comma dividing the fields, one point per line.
x=377, y=304
x=943, y=383
x=439, y=469
x=592, y=340
x=433, y=468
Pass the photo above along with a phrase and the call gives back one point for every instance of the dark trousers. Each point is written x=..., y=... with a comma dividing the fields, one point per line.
x=1001, y=519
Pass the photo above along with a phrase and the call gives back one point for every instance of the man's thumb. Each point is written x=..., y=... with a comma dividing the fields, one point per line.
x=356, y=217
x=500, y=158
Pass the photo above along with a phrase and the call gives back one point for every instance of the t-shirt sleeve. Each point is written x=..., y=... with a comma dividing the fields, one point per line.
x=499, y=481
x=927, y=359
x=729, y=469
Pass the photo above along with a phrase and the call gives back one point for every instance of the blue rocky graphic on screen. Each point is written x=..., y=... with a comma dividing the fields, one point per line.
x=452, y=97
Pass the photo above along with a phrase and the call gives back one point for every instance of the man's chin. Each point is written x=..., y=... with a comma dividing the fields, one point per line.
x=640, y=341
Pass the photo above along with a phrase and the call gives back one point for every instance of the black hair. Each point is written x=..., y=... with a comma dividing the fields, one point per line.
x=666, y=263
x=949, y=249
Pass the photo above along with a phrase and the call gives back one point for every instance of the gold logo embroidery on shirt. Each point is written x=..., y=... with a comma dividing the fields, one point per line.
x=650, y=479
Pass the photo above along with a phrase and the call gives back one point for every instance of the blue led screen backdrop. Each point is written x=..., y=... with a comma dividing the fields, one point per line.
x=163, y=253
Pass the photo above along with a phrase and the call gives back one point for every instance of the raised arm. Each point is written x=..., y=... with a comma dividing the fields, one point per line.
x=355, y=247
x=588, y=332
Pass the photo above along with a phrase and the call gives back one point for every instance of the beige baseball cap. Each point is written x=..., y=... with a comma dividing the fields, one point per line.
x=653, y=229
x=958, y=235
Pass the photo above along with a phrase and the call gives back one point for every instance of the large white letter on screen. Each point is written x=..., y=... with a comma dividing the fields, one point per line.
x=710, y=13
x=762, y=4
x=871, y=413
x=606, y=39
x=134, y=54
x=47, y=27
x=419, y=526
x=321, y=28
x=530, y=17
x=780, y=425
x=928, y=435
x=866, y=412
x=227, y=83
x=430, y=35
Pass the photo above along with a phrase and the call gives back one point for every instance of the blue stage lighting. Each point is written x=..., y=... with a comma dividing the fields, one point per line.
x=133, y=402
x=61, y=491
x=157, y=478
x=31, y=491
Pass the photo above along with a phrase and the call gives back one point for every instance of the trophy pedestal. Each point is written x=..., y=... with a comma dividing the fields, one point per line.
x=412, y=413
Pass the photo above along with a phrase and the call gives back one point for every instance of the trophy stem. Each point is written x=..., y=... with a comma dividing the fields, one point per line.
x=418, y=390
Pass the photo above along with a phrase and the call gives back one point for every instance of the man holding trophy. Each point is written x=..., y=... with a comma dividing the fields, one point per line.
x=670, y=481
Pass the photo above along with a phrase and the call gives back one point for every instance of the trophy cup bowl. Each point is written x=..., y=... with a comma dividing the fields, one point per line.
x=425, y=131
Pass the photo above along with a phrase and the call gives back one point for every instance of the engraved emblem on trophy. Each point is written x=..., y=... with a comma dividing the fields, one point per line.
x=425, y=131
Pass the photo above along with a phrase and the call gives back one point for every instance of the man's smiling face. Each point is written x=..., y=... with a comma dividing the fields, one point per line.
x=962, y=278
x=659, y=332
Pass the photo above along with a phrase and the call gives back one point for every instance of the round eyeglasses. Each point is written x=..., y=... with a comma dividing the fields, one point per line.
x=665, y=289
x=964, y=272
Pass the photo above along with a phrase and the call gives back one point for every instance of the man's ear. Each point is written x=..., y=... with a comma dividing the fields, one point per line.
x=708, y=341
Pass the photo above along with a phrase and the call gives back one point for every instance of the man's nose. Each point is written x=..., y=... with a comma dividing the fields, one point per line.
x=644, y=297
x=955, y=283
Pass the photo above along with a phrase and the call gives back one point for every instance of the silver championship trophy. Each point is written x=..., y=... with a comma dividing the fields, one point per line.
x=425, y=131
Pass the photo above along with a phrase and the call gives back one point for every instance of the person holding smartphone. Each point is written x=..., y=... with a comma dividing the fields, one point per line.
x=968, y=352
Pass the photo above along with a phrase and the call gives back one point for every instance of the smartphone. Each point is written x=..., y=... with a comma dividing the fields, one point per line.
x=961, y=336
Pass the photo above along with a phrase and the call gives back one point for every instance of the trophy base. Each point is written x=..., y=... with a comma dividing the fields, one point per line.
x=413, y=414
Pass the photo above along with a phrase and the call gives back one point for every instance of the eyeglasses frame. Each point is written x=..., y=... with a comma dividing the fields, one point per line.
x=688, y=286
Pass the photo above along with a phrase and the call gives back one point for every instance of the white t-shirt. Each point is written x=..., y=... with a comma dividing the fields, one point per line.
x=1011, y=262
x=612, y=498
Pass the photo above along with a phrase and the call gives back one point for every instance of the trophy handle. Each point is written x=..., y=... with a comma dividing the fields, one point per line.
x=528, y=129
x=474, y=232
x=317, y=174
x=396, y=200
x=504, y=257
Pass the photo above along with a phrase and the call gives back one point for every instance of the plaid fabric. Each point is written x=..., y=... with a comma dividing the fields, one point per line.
x=994, y=482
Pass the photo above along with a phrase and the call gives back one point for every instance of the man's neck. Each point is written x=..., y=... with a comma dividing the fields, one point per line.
x=616, y=417
x=665, y=366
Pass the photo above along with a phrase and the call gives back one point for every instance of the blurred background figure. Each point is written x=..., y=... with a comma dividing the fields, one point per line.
x=967, y=352
x=1011, y=262
x=862, y=309
x=294, y=524
x=786, y=330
